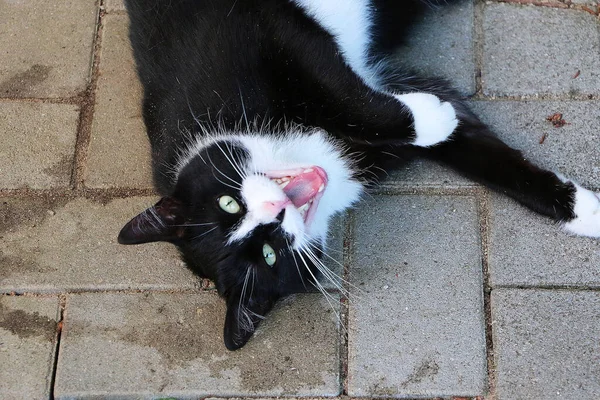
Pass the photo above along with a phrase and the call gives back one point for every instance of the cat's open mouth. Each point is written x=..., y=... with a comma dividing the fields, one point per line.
x=303, y=186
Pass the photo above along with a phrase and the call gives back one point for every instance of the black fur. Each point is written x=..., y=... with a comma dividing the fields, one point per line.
x=217, y=62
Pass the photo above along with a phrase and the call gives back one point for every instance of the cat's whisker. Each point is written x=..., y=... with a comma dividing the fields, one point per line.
x=192, y=111
x=203, y=224
x=328, y=297
x=253, y=280
x=295, y=261
x=244, y=318
x=238, y=185
x=237, y=162
x=238, y=168
x=204, y=234
x=244, y=111
x=336, y=280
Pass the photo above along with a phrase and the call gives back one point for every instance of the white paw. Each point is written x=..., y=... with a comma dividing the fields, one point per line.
x=434, y=121
x=587, y=213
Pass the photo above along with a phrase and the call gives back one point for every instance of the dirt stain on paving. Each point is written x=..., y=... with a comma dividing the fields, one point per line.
x=32, y=212
x=275, y=360
x=23, y=82
x=25, y=325
x=16, y=214
x=428, y=369
x=11, y=264
x=62, y=169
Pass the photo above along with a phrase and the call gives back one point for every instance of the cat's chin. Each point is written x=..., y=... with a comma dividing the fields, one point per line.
x=304, y=187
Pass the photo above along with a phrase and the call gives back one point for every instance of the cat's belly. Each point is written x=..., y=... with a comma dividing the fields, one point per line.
x=350, y=22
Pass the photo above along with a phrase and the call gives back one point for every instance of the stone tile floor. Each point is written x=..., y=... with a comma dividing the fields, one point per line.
x=457, y=292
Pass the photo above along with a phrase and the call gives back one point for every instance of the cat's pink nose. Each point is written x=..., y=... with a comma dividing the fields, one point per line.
x=275, y=207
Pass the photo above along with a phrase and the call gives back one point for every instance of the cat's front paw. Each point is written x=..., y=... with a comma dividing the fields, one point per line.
x=434, y=120
x=586, y=208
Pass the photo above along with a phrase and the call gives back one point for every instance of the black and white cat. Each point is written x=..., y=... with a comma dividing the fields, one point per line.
x=267, y=117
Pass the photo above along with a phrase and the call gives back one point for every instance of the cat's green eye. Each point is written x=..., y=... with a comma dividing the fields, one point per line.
x=269, y=255
x=228, y=204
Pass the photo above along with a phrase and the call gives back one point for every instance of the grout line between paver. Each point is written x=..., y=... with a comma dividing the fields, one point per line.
x=554, y=4
x=74, y=100
x=78, y=99
x=43, y=293
x=102, y=195
x=478, y=38
x=86, y=114
x=348, y=246
x=536, y=97
x=341, y=397
x=208, y=288
x=564, y=288
x=483, y=209
x=59, y=326
x=390, y=188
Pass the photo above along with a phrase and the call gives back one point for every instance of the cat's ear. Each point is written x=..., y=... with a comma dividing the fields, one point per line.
x=161, y=222
x=242, y=319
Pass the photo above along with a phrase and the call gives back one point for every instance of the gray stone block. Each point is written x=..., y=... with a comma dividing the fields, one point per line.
x=441, y=44
x=532, y=50
x=416, y=327
x=171, y=345
x=46, y=47
x=119, y=153
x=52, y=245
x=546, y=344
x=27, y=346
x=38, y=144
x=527, y=249
x=426, y=173
x=570, y=150
x=114, y=5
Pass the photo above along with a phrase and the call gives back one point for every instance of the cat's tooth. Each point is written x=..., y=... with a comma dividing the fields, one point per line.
x=284, y=184
x=285, y=179
x=303, y=208
x=322, y=187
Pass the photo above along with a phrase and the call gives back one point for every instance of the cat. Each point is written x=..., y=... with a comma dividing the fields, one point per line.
x=268, y=117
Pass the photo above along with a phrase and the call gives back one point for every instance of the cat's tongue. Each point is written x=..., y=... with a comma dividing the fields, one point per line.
x=306, y=185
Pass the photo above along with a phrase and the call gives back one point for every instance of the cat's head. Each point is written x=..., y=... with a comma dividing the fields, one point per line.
x=251, y=212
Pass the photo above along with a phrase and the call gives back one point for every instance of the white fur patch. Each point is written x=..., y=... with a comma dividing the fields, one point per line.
x=349, y=22
x=434, y=121
x=587, y=212
x=300, y=151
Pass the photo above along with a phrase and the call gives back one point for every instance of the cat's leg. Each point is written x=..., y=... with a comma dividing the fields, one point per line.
x=337, y=85
x=477, y=153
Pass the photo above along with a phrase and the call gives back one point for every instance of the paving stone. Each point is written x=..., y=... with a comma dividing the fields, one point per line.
x=570, y=150
x=546, y=344
x=114, y=5
x=119, y=153
x=422, y=172
x=38, y=144
x=532, y=50
x=593, y=3
x=527, y=249
x=442, y=45
x=27, y=346
x=51, y=245
x=417, y=329
x=171, y=345
x=46, y=47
